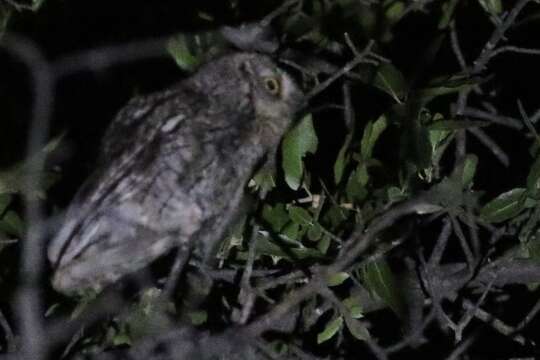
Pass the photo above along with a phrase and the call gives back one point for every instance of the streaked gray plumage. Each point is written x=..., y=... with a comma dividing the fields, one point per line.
x=173, y=170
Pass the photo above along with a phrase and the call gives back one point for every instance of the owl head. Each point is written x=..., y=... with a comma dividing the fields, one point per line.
x=254, y=84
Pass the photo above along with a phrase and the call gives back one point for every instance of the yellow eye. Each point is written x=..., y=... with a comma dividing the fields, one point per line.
x=272, y=85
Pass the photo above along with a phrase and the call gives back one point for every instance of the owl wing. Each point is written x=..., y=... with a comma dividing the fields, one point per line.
x=129, y=148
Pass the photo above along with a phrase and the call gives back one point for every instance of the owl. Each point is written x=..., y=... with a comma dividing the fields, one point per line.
x=173, y=169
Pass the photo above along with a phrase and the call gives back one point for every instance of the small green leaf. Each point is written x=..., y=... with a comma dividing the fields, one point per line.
x=469, y=169
x=341, y=160
x=198, y=317
x=5, y=200
x=357, y=328
x=448, y=9
x=337, y=278
x=184, y=56
x=379, y=279
x=450, y=125
x=298, y=142
x=12, y=224
x=504, y=206
x=324, y=244
x=390, y=80
x=315, y=232
x=330, y=330
x=300, y=216
x=371, y=134
x=444, y=86
x=354, y=305
x=263, y=180
x=493, y=7
x=533, y=179
x=5, y=15
x=276, y=216
x=395, y=11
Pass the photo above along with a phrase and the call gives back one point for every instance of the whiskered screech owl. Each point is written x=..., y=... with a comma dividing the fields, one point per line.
x=173, y=170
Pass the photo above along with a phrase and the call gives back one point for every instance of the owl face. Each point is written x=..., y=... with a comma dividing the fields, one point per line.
x=274, y=95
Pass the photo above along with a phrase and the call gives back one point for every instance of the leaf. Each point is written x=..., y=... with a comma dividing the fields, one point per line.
x=533, y=179
x=357, y=328
x=198, y=317
x=390, y=80
x=12, y=224
x=16, y=178
x=354, y=305
x=371, y=134
x=330, y=330
x=337, y=278
x=341, y=160
x=449, y=125
x=493, y=7
x=277, y=216
x=315, y=232
x=298, y=142
x=182, y=55
x=469, y=169
x=5, y=200
x=5, y=15
x=300, y=216
x=268, y=246
x=263, y=180
x=505, y=206
x=445, y=86
x=395, y=12
x=448, y=9
x=379, y=279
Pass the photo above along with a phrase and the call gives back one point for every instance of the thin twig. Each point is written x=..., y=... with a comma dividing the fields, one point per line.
x=360, y=58
x=496, y=150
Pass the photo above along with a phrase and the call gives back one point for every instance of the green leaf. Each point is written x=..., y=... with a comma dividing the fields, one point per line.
x=371, y=134
x=533, y=179
x=298, y=142
x=448, y=9
x=263, y=180
x=198, y=317
x=324, y=243
x=357, y=328
x=276, y=216
x=300, y=216
x=354, y=305
x=5, y=15
x=378, y=278
x=444, y=86
x=356, y=185
x=182, y=55
x=395, y=11
x=390, y=80
x=12, y=224
x=341, y=160
x=267, y=246
x=450, y=125
x=15, y=179
x=337, y=278
x=469, y=169
x=5, y=200
x=505, y=206
x=315, y=232
x=330, y=330
x=493, y=7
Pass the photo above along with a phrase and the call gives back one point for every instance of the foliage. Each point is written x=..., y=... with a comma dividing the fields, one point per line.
x=414, y=201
